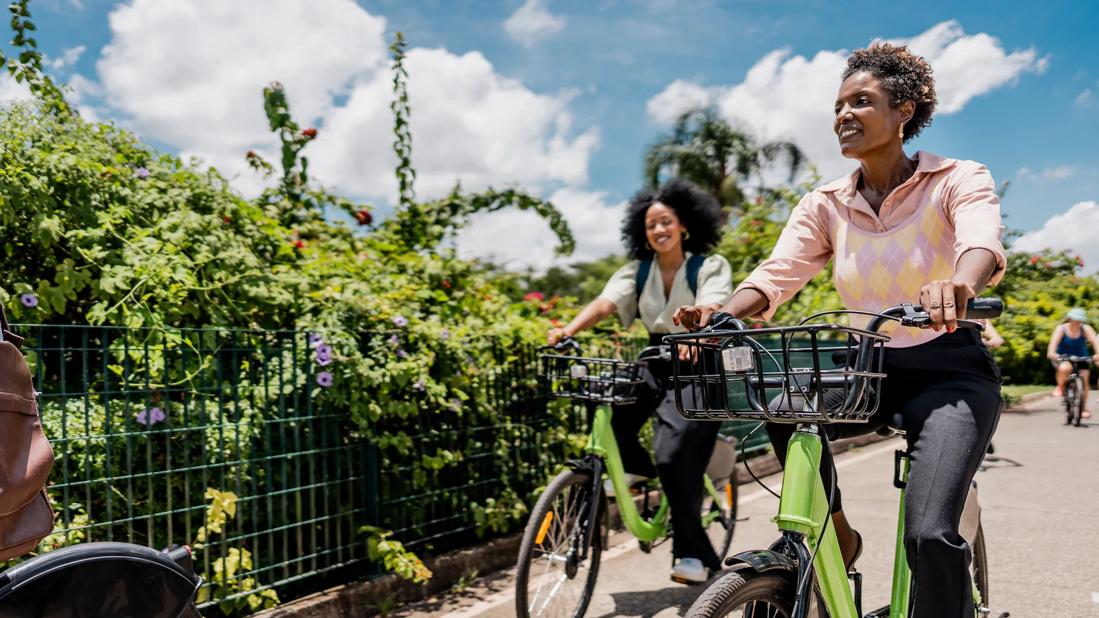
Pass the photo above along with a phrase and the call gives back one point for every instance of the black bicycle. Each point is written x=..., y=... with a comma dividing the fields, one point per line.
x=1074, y=397
x=102, y=580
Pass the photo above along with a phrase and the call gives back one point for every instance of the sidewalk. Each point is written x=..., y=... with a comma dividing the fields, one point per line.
x=1036, y=500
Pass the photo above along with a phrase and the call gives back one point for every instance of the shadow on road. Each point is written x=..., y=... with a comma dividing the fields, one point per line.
x=642, y=603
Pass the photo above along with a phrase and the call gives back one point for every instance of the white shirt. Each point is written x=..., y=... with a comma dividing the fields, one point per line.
x=715, y=285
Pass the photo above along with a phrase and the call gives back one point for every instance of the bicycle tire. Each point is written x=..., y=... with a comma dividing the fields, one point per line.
x=1078, y=409
x=748, y=591
x=1069, y=400
x=979, y=567
x=728, y=522
x=568, y=483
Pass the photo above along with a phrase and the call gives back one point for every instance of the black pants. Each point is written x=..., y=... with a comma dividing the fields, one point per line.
x=683, y=450
x=945, y=394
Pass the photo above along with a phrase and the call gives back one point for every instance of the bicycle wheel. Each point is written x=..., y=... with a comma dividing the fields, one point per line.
x=745, y=595
x=979, y=568
x=1070, y=401
x=551, y=580
x=724, y=511
x=1078, y=408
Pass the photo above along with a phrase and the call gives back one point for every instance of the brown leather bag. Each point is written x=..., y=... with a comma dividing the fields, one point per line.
x=25, y=455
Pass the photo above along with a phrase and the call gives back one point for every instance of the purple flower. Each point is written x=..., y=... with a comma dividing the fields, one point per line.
x=402, y=354
x=323, y=360
x=419, y=385
x=444, y=334
x=141, y=172
x=400, y=321
x=394, y=341
x=29, y=300
x=456, y=405
x=315, y=339
x=151, y=416
x=324, y=350
x=324, y=379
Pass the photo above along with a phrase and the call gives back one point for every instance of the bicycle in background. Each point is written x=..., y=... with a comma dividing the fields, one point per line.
x=1074, y=393
x=568, y=526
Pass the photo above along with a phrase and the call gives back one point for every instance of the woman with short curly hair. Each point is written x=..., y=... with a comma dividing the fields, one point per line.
x=667, y=233
x=922, y=229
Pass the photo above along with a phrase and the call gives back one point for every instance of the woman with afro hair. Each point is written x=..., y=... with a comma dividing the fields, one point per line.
x=667, y=234
x=901, y=229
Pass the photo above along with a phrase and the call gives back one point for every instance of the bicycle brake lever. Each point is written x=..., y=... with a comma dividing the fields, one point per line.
x=920, y=319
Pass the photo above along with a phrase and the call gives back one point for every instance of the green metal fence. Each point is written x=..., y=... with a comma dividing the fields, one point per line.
x=223, y=439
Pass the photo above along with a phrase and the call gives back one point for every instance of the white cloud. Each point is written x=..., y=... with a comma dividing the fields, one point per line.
x=203, y=97
x=1073, y=231
x=1060, y=172
x=533, y=23
x=68, y=58
x=11, y=90
x=520, y=239
x=190, y=72
x=1084, y=100
x=789, y=97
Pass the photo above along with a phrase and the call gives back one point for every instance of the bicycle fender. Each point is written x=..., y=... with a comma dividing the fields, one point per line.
x=762, y=561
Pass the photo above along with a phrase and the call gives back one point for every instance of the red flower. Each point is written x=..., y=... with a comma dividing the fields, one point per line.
x=310, y=132
x=251, y=154
x=300, y=244
x=538, y=296
x=1033, y=260
x=226, y=219
x=1080, y=261
x=556, y=323
x=447, y=284
x=756, y=222
x=364, y=217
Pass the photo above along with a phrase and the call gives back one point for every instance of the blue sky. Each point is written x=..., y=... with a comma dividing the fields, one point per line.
x=567, y=108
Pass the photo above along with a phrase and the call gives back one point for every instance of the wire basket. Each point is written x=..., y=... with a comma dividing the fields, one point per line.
x=600, y=380
x=797, y=374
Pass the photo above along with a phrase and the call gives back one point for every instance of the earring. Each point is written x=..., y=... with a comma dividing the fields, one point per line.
x=900, y=131
x=648, y=245
x=686, y=234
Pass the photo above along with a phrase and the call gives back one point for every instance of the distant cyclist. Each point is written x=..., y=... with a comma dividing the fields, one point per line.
x=1071, y=338
x=667, y=233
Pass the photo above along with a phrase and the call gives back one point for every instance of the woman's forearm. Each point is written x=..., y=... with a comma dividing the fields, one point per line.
x=590, y=316
x=976, y=268
x=746, y=303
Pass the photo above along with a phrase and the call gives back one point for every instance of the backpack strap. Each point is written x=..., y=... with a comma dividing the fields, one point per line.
x=694, y=264
x=643, y=269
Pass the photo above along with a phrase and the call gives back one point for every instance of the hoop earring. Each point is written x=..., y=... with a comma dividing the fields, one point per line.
x=686, y=234
x=648, y=246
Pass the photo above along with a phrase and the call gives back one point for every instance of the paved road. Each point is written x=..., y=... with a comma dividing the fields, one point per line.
x=1039, y=510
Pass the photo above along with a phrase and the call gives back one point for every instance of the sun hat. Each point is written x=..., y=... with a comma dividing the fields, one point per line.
x=1077, y=314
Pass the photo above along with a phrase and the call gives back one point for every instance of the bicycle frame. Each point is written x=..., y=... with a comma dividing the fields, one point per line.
x=601, y=443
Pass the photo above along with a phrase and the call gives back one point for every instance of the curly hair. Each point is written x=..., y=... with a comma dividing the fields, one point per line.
x=904, y=75
x=698, y=211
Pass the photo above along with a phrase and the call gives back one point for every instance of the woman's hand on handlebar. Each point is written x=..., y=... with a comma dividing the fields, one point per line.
x=694, y=317
x=945, y=301
x=555, y=335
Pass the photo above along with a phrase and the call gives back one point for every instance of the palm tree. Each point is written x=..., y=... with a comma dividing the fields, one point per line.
x=706, y=150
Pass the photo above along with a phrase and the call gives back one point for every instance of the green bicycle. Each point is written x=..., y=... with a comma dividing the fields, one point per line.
x=568, y=526
x=802, y=574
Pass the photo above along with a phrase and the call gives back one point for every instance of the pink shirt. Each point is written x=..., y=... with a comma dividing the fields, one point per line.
x=883, y=259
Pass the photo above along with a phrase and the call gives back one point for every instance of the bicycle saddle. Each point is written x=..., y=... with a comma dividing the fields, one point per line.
x=96, y=580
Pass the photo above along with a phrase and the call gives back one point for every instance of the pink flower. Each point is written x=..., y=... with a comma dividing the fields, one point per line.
x=538, y=296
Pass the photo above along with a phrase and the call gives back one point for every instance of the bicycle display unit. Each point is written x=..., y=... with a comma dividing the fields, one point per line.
x=567, y=530
x=822, y=373
x=1074, y=397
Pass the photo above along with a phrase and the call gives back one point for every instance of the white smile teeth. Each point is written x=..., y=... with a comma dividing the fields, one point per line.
x=848, y=132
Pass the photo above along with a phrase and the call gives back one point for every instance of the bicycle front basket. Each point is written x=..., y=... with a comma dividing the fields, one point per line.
x=792, y=374
x=601, y=380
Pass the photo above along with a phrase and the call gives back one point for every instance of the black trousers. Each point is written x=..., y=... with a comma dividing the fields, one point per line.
x=683, y=449
x=945, y=394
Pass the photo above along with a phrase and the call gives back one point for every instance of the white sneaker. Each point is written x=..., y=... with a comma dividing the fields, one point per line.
x=689, y=571
x=631, y=480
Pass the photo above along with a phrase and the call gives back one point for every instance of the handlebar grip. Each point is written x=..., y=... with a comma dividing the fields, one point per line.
x=720, y=320
x=984, y=308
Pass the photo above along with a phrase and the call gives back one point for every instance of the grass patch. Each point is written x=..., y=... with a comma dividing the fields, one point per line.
x=1012, y=393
